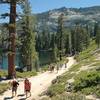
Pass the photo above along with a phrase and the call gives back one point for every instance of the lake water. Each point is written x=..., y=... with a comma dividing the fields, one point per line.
x=45, y=57
x=4, y=64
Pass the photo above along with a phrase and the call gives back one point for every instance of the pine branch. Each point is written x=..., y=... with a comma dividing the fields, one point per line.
x=3, y=16
x=9, y=1
x=4, y=1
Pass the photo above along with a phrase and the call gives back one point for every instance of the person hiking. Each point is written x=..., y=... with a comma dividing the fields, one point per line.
x=65, y=64
x=14, y=74
x=57, y=66
x=27, y=87
x=14, y=85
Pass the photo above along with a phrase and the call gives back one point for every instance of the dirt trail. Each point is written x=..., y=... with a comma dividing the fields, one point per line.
x=40, y=83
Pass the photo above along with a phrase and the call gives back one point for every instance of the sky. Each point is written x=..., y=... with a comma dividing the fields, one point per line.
x=39, y=6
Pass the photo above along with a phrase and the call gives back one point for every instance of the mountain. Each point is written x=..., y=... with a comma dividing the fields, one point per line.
x=72, y=16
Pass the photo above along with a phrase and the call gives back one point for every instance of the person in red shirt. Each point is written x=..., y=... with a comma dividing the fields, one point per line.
x=27, y=87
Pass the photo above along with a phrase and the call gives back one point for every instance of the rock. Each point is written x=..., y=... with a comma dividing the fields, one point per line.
x=69, y=87
x=54, y=81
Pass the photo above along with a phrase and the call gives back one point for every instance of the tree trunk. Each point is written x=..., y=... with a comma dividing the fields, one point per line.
x=12, y=32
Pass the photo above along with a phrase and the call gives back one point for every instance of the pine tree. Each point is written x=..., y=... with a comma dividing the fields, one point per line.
x=80, y=39
x=87, y=39
x=67, y=44
x=73, y=39
x=54, y=48
x=77, y=39
x=59, y=37
x=97, y=34
x=27, y=49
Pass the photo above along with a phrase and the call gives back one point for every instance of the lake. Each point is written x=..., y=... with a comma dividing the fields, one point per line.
x=45, y=57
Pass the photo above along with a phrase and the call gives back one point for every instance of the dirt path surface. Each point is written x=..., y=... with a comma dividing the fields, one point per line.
x=40, y=83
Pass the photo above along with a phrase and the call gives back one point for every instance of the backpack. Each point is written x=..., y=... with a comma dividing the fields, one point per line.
x=14, y=84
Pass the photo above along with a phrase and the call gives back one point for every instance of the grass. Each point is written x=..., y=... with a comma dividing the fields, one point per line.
x=72, y=96
x=96, y=64
x=66, y=96
x=26, y=74
x=19, y=74
x=3, y=73
x=75, y=67
x=4, y=87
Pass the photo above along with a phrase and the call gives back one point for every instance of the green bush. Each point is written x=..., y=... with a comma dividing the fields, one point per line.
x=97, y=91
x=44, y=68
x=87, y=82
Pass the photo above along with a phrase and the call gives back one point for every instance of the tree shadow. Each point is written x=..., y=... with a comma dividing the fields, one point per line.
x=7, y=98
x=20, y=95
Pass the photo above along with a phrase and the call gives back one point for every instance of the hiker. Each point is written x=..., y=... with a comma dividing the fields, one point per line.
x=14, y=74
x=52, y=68
x=14, y=85
x=57, y=67
x=49, y=68
x=65, y=64
x=27, y=87
x=60, y=65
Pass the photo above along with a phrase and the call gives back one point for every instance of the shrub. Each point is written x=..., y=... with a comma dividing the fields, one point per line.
x=55, y=89
x=87, y=82
x=71, y=96
x=26, y=74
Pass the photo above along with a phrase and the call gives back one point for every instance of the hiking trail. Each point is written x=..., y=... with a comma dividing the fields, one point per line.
x=40, y=83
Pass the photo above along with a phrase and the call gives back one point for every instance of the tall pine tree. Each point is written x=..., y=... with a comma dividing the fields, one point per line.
x=97, y=34
x=59, y=35
x=27, y=49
